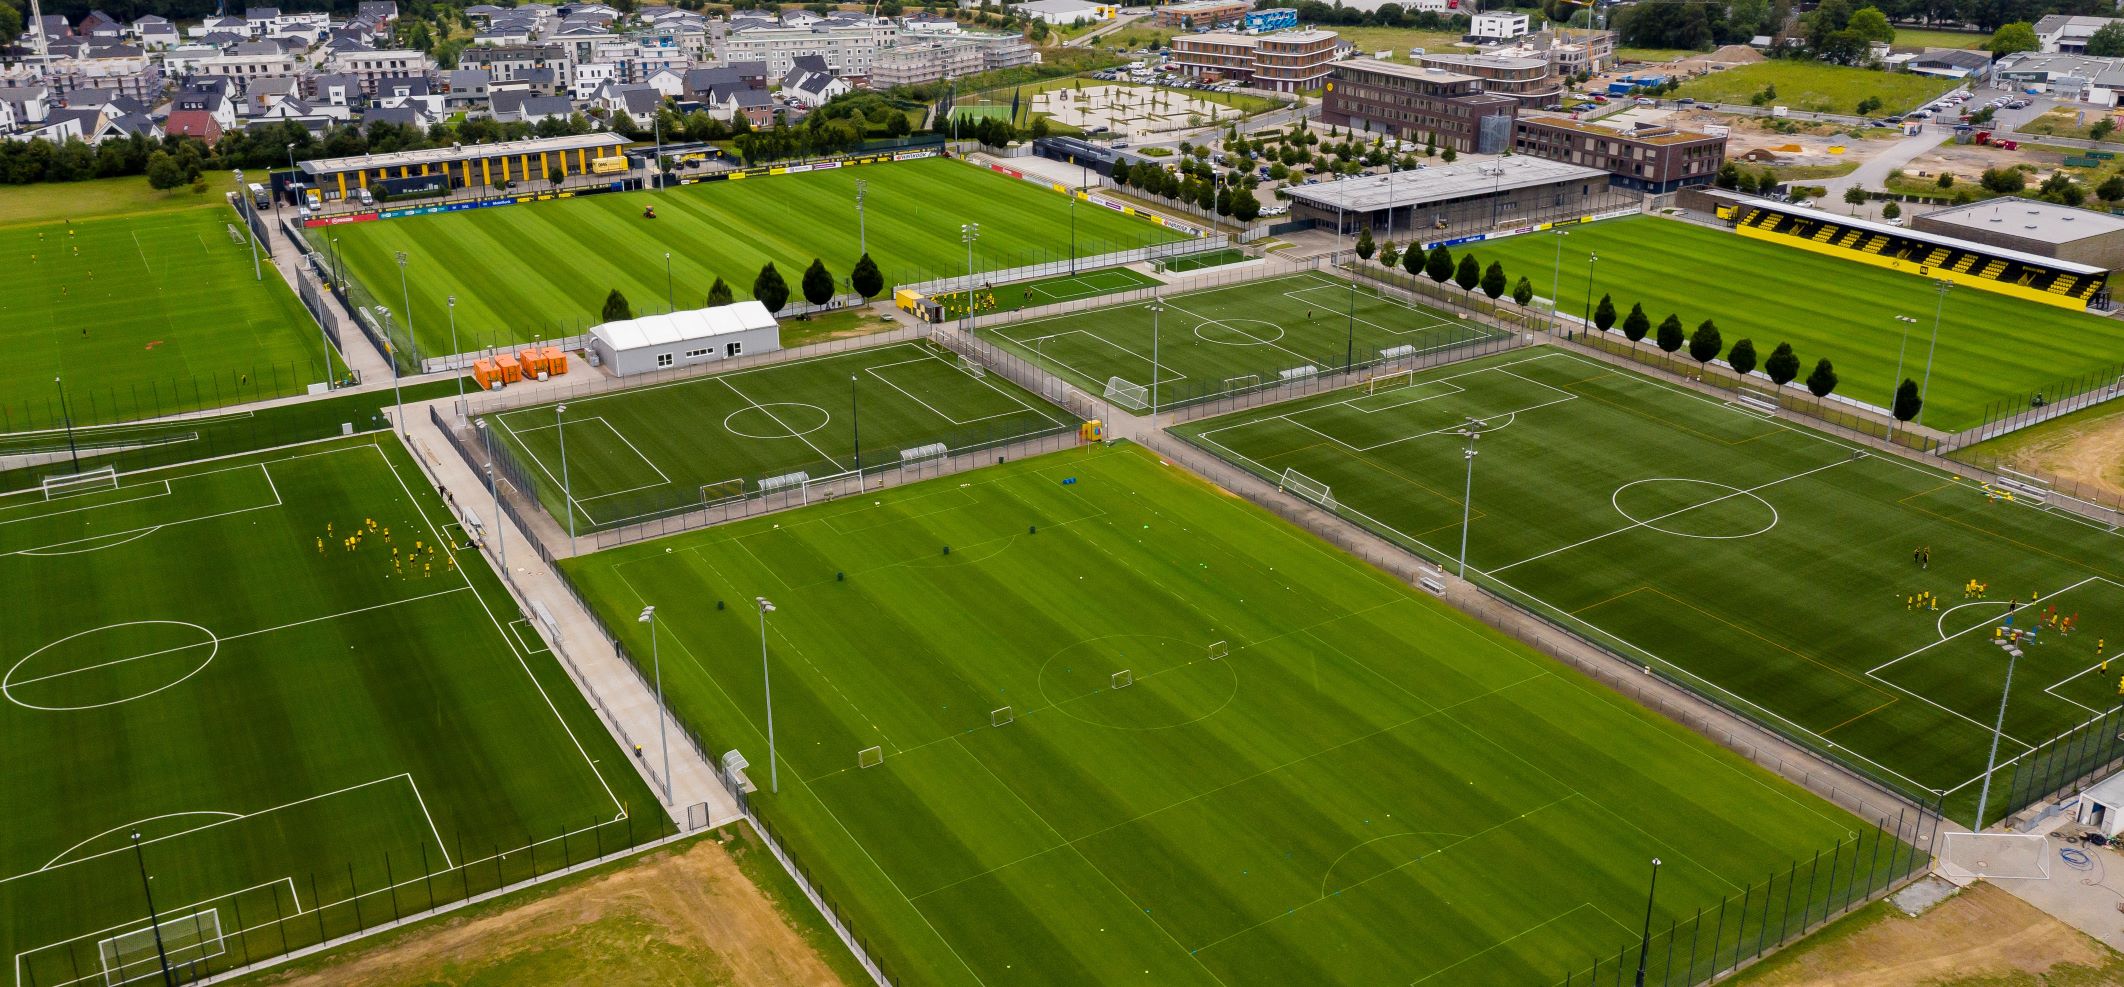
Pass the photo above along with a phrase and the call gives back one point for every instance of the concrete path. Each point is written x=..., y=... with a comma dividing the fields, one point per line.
x=626, y=704
x=1873, y=172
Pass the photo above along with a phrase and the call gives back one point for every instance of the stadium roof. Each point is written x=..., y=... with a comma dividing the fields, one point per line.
x=2032, y=219
x=1370, y=193
x=456, y=153
x=2004, y=253
x=680, y=327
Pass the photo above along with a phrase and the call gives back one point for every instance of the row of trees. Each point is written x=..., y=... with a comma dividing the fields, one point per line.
x=770, y=289
x=1704, y=345
x=1210, y=194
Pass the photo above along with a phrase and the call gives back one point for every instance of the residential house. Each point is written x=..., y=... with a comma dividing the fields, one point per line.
x=27, y=105
x=99, y=25
x=670, y=82
x=849, y=44
x=260, y=21
x=412, y=116
x=244, y=62
x=508, y=63
x=374, y=67
x=336, y=89
x=516, y=106
x=218, y=25
x=2063, y=33
x=637, y=103
x=156, y=33
x=928, y=24
x=464, y=89
x=197, y=124
x=591, y=77
x=810, y=83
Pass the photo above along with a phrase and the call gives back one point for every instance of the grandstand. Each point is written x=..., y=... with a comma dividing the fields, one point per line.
x=2008, y=272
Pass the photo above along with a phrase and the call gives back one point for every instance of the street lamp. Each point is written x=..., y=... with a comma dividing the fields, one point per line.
x=774, y=777
x=670, y=303
x=66, y=417
x=1590, y=258
x=250, y=212
x=567, y=492
x=1472, y=431
x=1900, y=347
x=501, y=544
x=1155, y=307
x=969, y=232
x=1644, y=939
x=1991, y=763
x=855, y=418
x=1925, y=389
x=862, y=238
x=398, y=395
x=1556, y=276
x=657, y=662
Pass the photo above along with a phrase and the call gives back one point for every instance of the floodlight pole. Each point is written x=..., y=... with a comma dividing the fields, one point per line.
x=1900, y=347
x=774, y=777
x=862, y=237
x=1644, y=939
x=1991, y=762
x=405, y=294
x=1473, y=431
x=855, y=419
x=398, y=395
x=1155, y=308
x=501, y=544
x=969, y=232
x=162, y=957
x=250, y=232
x=567, y=491
x=452, y=305
x=1939, y=309
x=1556, y=276
x=337, y=281
x=670, y=302
x=656, y=662
x=1591, y=257
x=66, y=417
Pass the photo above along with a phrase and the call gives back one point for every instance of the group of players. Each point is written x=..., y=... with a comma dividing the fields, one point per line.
x=422, y=554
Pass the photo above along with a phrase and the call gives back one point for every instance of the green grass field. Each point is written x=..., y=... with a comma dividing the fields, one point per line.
x=1205, y=260
x=144, y=315
x=1816, y=86
x=544, y=269
x=1764, y=564
x=1917, y=37
x=1306, y=760
x=1048, y=291
x=1219, y=340
x=1991, y=346
x=295, y=729
x=655, y=450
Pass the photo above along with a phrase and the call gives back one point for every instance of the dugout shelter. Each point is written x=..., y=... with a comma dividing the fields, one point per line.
x=540, y=159
x=683, y=339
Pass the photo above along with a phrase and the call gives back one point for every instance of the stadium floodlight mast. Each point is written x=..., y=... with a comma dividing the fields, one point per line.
x=1156, y=306
x=1644, y=939
x=398, y=395
x=855, y=426
x=774, y=777
x=66, y=417
x=1939, y=309
x=1991, y=763
x=1556, y=276
x=657, y=663
x=162, y=956
x=969, y=232
x=405, y=294
x=250, y=212
x=501, y=544
x=1899, y=349
x=670, y=302
x=1472, y=431
x=862, y=237
x=567, y=492
x=451, y=304
x=1591, y=257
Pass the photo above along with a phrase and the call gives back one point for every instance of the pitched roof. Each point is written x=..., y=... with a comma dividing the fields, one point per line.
x=193, y=123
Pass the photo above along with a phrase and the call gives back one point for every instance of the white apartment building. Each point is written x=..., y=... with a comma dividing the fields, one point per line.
x=849, y=47
x=373, y=66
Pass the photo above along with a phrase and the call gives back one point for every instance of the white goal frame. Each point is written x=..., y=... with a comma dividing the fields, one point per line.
x=971, y=366
x=204, y=941
x=1391, y=380
x=1305, y=486
x=722, y=490
x=1133, y=396
x=870, y=757
x=1002, y=716
x=1219, y=649
x=1122, y=679
x=2013, y=856
x=75, y=484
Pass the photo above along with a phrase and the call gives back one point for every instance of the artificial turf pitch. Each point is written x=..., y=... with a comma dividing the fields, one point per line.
x=1992, y=347
x=142, y=316
x=1219, y=340
x=647, y=451
x=1019, y=295
x=1361, y=785
x=1763, y=563
x=285, y=725
x=544, y=269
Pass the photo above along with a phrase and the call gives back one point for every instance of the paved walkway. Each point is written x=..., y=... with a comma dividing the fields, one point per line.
x=627, y=705
x=355, y=348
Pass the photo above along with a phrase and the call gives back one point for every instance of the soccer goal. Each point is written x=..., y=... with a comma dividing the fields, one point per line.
x=75, y=484
x=972, y=366
x=1001, y=717
x=1218, y=649
x=1393, y=380
x=721, y=490
x=235, y=235
x=870, y=757
x=1242, y=382
x=1134, y=397
x=133, y=955
x=1995, y=855
x=1123, y=679
x=1307, y=487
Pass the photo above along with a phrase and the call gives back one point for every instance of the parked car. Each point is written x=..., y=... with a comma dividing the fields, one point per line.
x=1647, y=101
x=2018, y=104
x=1554, y=107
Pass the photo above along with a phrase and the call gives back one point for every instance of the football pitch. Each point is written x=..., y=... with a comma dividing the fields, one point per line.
x=1219, y=340
x=142, y=316
x=1081, y=719
x=646, y=451
x=1047, y=291
x=306, y=738
x=543, y=269
x=1991, y=347
x=1765, y=564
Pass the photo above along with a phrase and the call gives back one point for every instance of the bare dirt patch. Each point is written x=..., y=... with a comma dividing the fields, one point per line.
x=678, y=916
x=1982, y=935
x=2087, y=451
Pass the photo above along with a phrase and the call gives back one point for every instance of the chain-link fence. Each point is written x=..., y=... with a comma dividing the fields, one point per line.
x=2052, y=400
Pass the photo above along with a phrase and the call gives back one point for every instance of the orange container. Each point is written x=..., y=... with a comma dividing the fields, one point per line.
x=484, y=372
x=511, y=371
x=556, y=361
x=534, y=363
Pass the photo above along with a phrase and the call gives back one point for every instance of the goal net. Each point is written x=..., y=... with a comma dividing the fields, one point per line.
x=1307, y=487
x=870, y=757
x=1242, y=382
x=1001, y=717
x=1218, y=649
x=1389, y=381
x=1995, y=855
x=131, y=955
x=235, y=235
x=1123, y=679
x=972, y=366
x=1134, y=397
x=74, y=484
x=721, y=490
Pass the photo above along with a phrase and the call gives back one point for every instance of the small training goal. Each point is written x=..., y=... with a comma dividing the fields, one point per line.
x=75, y=484
x=721, y=490
x=1307, y=487
x=870, y=757
x=1392, y=380
x=1134, y=397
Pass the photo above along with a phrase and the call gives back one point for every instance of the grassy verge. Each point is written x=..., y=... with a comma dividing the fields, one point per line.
x=1796, y=173
x=1816, y=86
x=1653, y=54
x=1400, y=39
x=48, y=201
x=1917, y=37
x=833, y=325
